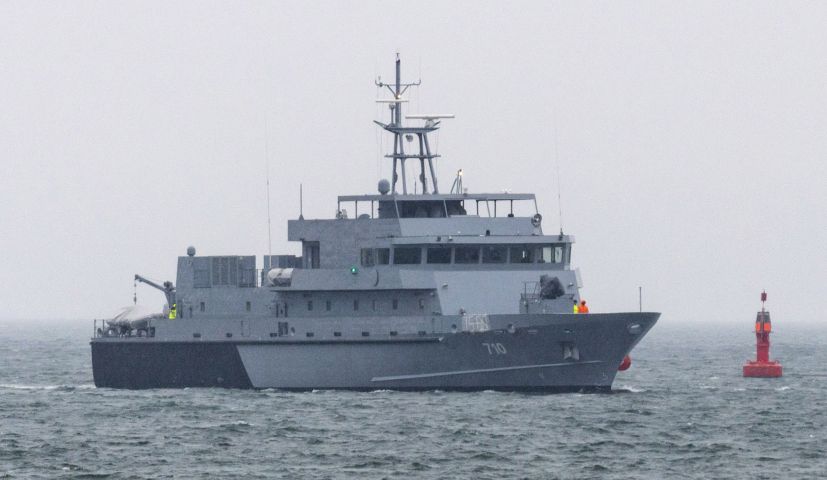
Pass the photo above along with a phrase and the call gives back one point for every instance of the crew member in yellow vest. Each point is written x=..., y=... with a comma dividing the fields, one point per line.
x=172, y=313
x=576, y=309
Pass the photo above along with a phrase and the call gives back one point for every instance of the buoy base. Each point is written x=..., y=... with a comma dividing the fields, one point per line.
x=755, y=369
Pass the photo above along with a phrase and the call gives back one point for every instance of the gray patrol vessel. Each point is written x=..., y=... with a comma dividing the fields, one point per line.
x=412, y=291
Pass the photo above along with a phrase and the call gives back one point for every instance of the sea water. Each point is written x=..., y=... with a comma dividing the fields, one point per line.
x=683, y=410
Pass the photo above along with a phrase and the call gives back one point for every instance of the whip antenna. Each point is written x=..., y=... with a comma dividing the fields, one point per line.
x=557, y=161
x=267, y=176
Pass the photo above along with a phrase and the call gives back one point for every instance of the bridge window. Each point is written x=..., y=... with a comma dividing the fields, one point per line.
x=467, y=255
x=493, y=254
x=327, y=305
x=522, y=254
x=455, y=207
x=310, y=305
x=422, y=209
x=407, y=255
x=439, y=254
x=383, y=256
x=551, y=254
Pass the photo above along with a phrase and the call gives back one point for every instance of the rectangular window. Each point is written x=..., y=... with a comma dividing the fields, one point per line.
x=311, y=254
x=368, y=257
x=356, y=304
x=310, y=305
x=203, y=307
x=337, y=334
x=467, y=255
x=422, y=304
x=327, y=305
x=395, y=304
x=551, y=254
x=373, y=305
x=493, y=254
x=522, y=254
x=248, y=306
x=439, y=254
x=383, y=256
x=407, y=255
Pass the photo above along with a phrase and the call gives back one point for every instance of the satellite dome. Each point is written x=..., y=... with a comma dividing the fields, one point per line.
x=384, y=186
x=191, y=251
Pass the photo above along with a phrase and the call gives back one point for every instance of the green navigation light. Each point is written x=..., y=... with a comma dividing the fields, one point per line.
x=354, y=270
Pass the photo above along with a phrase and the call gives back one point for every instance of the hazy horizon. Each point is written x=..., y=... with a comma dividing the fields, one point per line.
x=689, y=137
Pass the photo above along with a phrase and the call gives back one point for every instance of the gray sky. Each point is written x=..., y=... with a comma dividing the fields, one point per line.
x=690, y=136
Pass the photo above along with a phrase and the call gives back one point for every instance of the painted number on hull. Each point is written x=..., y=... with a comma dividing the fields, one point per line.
x=495, y=348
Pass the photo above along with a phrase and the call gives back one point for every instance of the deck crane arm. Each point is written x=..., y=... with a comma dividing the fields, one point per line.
x=168, y=288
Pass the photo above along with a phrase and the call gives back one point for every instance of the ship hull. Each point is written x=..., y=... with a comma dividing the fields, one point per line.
x=551, y=353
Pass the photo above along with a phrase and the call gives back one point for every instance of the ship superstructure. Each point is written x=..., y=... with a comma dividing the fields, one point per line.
x=401, y=289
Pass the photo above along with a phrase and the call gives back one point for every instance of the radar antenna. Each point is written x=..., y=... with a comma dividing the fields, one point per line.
x=401, y=133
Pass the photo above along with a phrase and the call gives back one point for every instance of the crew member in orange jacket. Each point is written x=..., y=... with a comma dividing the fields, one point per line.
x=583, y=308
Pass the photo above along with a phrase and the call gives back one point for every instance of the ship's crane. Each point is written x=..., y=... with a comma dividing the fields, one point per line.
x=168, y=288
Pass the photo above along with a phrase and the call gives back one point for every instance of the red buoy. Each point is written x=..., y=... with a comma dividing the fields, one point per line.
x=625, y=364
x=762, y=367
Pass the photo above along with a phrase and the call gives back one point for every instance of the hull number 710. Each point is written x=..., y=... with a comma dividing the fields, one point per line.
x=495, y=348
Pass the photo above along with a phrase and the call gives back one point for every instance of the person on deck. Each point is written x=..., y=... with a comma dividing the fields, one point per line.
x=583, y=308
x=576, y=309
x=172, y=312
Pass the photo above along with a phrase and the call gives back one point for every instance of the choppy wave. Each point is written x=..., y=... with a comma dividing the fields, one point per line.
x=15, y=386
x=669, y=422
x=628, y=389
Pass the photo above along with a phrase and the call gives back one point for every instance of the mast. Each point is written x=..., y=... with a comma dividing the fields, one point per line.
x=402, y=133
